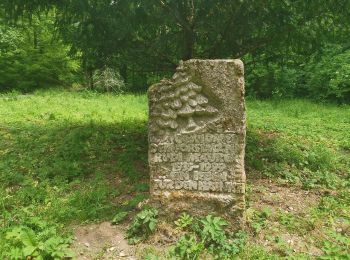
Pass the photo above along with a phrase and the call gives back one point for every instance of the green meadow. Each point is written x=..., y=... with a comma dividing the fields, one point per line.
x=69, y=158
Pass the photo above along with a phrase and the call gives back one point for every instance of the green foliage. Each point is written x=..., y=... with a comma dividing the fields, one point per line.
x=184, y=221
x=287, y=219
x=150, y=256
x=321, y=76
x=213, y=229
x=67, y=162
x=59, y=156
x=337, y=248
x=37, y=239
x=258, y=219
x=253, y=251
x=327, y=75
x=334, y=205
x=119, y=217
x=31, y=57
x=67, y=157
x=299, y=143
x=276, y=39
x=271, y=80
x=142, y=226
x=207, y=235
x=188, y=247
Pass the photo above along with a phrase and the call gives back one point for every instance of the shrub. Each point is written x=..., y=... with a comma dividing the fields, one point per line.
x=108, y=80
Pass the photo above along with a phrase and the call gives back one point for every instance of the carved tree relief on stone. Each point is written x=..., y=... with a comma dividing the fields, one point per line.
x=197, y=137
x=180, y=106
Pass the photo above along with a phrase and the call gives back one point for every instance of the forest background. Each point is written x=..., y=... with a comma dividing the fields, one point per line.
x=290, y=48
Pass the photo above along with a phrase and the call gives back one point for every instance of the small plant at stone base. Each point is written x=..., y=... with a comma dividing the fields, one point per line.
x=213, y=235
x=230, y=247
x=188, y=248
x=184, y=221
x=208, y=233
x=213, y=229
x=142, y=226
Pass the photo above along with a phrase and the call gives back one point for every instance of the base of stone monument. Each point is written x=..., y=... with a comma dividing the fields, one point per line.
x=172, y=204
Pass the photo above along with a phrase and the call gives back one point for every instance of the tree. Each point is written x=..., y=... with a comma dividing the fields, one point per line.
x=149, y=37
x=31, y=56
x=181, y=105
x=199, y=28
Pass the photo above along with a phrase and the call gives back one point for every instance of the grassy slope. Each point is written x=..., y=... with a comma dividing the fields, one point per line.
x=76, y=157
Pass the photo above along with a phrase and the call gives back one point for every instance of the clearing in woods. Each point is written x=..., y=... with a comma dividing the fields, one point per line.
x=69, y=162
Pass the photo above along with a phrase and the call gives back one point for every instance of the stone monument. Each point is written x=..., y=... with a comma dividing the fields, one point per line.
x=197, y=131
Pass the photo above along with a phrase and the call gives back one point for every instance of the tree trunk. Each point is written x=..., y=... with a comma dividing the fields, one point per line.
x=123, y=71
x=186, y=14
x=188, y=43
x=91, y=80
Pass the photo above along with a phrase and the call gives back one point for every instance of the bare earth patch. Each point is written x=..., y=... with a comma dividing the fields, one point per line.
x=102, y=241
x=107, y=241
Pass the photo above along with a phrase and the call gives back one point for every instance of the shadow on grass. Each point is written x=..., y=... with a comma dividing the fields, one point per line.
x=70, y=151
x=71, y=171
x=77, y=172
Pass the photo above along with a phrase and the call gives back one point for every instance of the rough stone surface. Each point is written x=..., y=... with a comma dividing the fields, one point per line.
x=197, y=138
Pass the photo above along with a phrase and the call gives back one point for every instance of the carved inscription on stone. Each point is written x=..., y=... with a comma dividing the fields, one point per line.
x=197, y=132
x=201, y=162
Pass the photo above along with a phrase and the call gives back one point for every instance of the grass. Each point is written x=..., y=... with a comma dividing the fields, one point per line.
x=69, y=158
x=301, y=142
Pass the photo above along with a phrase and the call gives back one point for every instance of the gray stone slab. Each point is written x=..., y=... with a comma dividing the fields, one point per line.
x=197, y=129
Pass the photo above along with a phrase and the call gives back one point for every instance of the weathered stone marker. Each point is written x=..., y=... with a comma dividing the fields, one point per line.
x=197, y=138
